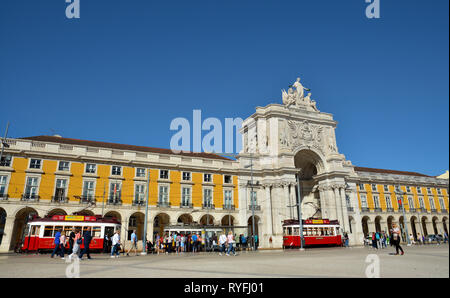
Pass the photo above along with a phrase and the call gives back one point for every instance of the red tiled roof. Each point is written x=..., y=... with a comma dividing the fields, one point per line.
x=61, y=140
x=382, y=171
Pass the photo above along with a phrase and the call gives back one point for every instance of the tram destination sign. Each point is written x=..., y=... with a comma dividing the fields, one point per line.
x=74, y=218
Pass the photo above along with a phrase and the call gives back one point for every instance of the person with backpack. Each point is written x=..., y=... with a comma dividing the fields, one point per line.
x=57, y=242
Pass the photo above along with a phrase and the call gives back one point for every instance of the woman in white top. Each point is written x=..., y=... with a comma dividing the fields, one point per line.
x=396, y=238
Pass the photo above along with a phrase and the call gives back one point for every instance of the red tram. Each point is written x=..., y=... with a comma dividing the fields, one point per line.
x=40, y=232
x=315, y=232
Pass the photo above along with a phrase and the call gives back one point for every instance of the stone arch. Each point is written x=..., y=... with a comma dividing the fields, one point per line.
x=136, y=223
x=390, y=220
x=378, y=220
x=445, y=224
x=57, y=211
x=3, y=216
x=352, y=223
x=207, y=220
x=435, y=221
x=22, y=216
x=227, y=220
x=185, y=219
x=413, y=221
x=309, y=161
x=365, y=225
x=113, y=214
x=160, y=221
x=84, y=212
x=250, y=225
x=424, y=221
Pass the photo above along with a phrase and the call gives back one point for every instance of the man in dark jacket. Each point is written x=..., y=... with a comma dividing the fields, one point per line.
x=87, y=240
x=71, y=239
x=56, y=241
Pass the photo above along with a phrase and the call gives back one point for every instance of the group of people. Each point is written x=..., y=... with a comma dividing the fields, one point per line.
x=75, y=240
x=382, y=240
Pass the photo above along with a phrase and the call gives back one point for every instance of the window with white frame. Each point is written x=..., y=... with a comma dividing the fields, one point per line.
x=207, y=178
x=386, y=188
x=408, y=189
x=140, y=172
x=363, y=201
x=88, y=190
x=441, y=204
x=91, y=168
x=431, y=200
x=361, y=186
x=207, y=197
x=429, y=190
x=397, y=188
x=163, y=174
x=3, y=185
x=388, y=202
x=31, y=188
x=163, y=194
x=419, y=190
x=116, y=170
x=347, y=201
x=374, y=187
x=115, y=192
x=186, y=196
x=63, y=166
x=411, y=202
x=376, y=201
x=439, y=191
x=228, y=198
x=186, y=176
x=61, y=189
x=35, y=163
x=139, y=194
x=421, y=203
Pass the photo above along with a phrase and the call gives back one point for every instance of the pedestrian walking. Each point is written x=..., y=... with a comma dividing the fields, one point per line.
x=230, y=242
x=56, y=241
x=76, y=244
x=87, y=241
x=396, y=238
x=62, y=244
x=194, y=242
x=222, y=243
x=71, y=240
x=374, y=241
x=411, y=239
x=134, y=241
x=346, y=239
x=445, y=237
x=116, y=245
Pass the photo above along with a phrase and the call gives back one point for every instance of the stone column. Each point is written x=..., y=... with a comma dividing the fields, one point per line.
x=287, y=199
x=357, y=237
x=293, y=200
x=346, y=224
x=338, y=205
x=268, y=211
x=330, y=202
x=7, y=234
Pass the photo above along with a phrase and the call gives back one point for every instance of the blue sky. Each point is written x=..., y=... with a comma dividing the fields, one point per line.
x=125, y=69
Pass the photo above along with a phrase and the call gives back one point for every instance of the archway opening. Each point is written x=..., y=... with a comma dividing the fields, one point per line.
x=413, y=227
x=424, y=225
x=250, y=226
x=2, y=223
x=56, y=212
x=435, y=228
x=185, y=219
x=207, y=220
x=161, y=220
x=365, y=225
x=20, y=224
x=136, y=223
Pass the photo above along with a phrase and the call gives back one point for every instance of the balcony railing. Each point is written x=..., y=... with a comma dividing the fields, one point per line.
x=423, y=210
x=138, y=203
x=4, y=197
x=163, y=204
x=114, y=201
x=389, y=209
x=87, y=200
x=186, y=205
x=378, y=210
x=59, y=199
x=444, y=211
x=30, y=197
x=412, y=210
x=229, y=207
x=365, y=209
x=208, y=206
x=255, y=207
x=433, y=211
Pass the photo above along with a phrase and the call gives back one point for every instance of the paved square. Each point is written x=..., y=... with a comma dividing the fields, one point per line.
x=418, y=261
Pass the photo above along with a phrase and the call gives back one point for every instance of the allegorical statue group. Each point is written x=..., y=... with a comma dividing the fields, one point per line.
x=297, y=97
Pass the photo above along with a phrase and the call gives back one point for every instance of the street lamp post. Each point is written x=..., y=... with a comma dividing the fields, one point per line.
x=144, y=238
x=299, y=205
x=405, y=225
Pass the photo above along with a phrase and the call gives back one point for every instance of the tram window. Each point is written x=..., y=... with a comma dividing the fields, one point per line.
x=296, y=231
x=322, y=233
x=289, y=231
x=35, y=230
x=67, y=230
x=96, y=231
x=48, y=231
x=316, y=231
x=331, y=231
x=78, y=229
x=109, y=231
